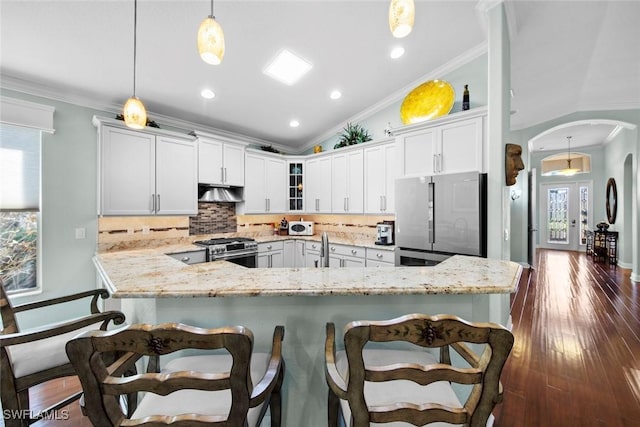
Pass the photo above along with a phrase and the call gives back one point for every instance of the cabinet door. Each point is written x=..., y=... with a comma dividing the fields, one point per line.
x=339, y=177
x=128, y=172
x=210, y=161
x=353, y=262
x=418, y=153
x=289, y=254
x=461, y=146
x=318, y=187
x=347, y=182
x=233, y=165
x=263, y=260
x=335, y=261
x=255, y=188
x=301, y=256
x=374, y=179
x=371, y=263
x=176, y=176
x=312, y=259
x=276, y=182
x=277, y=259
x=391, y=173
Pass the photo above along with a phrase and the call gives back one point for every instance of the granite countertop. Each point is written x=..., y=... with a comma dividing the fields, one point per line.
x=150, y=273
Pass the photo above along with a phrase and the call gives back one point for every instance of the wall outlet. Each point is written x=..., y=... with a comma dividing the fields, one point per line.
x=145, y=229
x=130, y=230
x=81, y=233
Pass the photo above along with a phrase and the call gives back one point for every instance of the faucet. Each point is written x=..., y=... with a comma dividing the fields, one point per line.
x=324, y=250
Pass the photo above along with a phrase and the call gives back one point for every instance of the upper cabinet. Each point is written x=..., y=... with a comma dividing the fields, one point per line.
x=347, y=186
x=380, y=172
x=146, y=172
x=220, y=163
x=296, y=183
x=265, y=183
x=318, y=187
x=445, y=145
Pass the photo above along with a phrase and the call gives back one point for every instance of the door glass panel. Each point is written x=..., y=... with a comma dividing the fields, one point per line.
x=584, y=214
x=558, y=215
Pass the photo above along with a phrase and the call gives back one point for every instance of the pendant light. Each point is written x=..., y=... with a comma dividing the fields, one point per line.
x=211, y=40
x=135, y=115
x=401, y=16
x=569, y=171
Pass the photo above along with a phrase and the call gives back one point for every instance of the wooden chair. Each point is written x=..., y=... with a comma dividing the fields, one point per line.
x=409, y=386
x=215, y=389
x=34, y=356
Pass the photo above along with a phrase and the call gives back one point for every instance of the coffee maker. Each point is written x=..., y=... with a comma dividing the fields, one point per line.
x=385, y=233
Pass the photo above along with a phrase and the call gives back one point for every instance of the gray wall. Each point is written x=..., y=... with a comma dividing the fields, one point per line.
x=609, y=163
x=69, y=183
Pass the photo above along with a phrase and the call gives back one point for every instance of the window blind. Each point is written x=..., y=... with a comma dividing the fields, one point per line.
x=19, y=168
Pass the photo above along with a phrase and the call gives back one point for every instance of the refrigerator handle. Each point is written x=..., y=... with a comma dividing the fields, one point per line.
x=431, y=213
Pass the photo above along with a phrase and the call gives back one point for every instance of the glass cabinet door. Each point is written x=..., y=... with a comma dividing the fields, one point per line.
x=296, y=195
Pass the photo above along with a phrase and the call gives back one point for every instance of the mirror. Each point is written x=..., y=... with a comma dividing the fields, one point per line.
x=612, y=201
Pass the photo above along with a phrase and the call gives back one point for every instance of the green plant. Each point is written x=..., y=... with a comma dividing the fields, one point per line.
x=351, y=135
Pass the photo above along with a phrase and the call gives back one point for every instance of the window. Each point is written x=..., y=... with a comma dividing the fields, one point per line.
x=19, y=207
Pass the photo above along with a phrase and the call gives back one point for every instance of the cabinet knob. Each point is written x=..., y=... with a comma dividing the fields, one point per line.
x=268, y=246
x=185, y=259
x=379, y=255
x=353, y=251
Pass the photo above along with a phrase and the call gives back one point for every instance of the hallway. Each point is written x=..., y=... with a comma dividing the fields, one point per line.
x=576, y=358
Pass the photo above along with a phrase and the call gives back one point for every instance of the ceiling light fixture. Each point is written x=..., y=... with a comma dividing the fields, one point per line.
x=287, y=68
x=207, y=94
x=401, y=16
x=396, y=52
x=569, y=171
x=294, y=123
x=135, y=115
x=211, y=40
x=336, y=94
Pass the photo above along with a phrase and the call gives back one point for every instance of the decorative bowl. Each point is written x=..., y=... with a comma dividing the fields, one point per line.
x=429, y=100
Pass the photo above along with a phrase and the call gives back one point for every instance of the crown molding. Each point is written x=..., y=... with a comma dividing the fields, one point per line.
x=71, y=96
x=398, y=95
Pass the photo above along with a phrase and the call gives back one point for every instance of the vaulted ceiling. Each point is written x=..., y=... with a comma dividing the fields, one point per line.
x=566, y=56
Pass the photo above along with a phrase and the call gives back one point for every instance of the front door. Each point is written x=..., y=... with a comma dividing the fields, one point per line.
x=565, y=215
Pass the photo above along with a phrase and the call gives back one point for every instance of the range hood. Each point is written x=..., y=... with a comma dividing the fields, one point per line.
x=219, y=194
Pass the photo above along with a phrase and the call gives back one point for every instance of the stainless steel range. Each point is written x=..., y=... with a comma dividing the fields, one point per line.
x=238, y=250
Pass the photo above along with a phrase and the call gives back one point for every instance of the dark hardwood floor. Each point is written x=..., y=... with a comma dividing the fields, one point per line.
x=576, y=357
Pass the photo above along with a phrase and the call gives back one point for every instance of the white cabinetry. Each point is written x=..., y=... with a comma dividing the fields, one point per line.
x=380, y=257
x=146, y=172
x=220, y=163
x=271, y=255
x=265, y=189
x=318, y=186
x=380, y=172
x=346, y=256
x=347, y=186
x=446, y=145
x=289, y=254
x=312, y=254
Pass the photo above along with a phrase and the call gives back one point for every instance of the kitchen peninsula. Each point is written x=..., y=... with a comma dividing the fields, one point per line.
x=152, y=287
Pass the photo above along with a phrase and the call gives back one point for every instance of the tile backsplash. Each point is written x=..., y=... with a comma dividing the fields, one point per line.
x=213, y=218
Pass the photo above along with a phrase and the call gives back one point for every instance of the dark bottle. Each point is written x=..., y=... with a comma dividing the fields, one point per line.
x=465, y=98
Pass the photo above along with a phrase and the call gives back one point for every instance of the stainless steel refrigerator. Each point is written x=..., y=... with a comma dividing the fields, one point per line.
x=439, y=216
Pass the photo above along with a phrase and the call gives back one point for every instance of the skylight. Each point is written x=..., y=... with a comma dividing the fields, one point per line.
x=287, y=68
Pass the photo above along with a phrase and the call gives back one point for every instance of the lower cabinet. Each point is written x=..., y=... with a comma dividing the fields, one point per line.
x=312, y=254
x=380, y=257
x=271, y=255
x=346, y=256
x=300, y=254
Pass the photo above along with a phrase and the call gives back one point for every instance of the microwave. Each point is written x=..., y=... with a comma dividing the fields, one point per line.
x=300, y=228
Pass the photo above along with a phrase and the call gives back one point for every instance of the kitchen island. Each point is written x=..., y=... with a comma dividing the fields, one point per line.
x=151, y=287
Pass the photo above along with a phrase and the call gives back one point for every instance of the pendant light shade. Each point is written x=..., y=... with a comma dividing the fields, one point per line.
x=569, y=171
x=401, y=16
x=211, y=40
x=135, y=115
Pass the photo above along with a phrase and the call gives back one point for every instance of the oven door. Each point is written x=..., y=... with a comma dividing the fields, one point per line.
x=416, y=258
x=247, y=259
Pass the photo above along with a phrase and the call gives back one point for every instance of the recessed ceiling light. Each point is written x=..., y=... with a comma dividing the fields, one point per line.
x=294, y=123
x=207, y=94
x=287, y=67
x=396, y=52
x=336, y=94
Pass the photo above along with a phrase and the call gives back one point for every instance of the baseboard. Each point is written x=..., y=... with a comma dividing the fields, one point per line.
x=635, y=277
